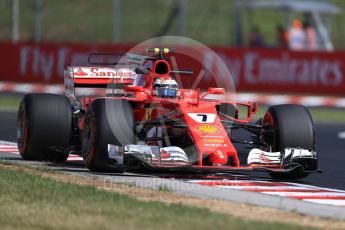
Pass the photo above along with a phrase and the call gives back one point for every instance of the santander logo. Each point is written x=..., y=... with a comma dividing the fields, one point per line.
x=103, y=72
x=80, y=73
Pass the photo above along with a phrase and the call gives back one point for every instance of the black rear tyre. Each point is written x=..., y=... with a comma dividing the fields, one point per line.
x=107, y=121
x=294, y=128
x=44, y=125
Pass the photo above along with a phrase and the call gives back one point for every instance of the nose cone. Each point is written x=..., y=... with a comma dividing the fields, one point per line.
x=219, y=157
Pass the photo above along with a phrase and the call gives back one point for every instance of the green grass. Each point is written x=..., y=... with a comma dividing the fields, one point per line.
x=32, y=202
x=9, y=102
x=210, y=22
x=319, y=114
x=328, y=115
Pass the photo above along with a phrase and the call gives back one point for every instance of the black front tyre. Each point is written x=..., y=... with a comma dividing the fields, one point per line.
x=44, y=127
x=293, y=128
x=107, y=121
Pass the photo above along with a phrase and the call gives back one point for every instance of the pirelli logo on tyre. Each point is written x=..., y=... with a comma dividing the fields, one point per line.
x=208, y=128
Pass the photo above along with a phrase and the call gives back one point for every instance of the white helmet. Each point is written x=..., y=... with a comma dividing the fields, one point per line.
x=165, y=87
x=168, y=83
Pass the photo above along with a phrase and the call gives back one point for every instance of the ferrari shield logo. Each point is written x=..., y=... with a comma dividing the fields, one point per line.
x=220, y=154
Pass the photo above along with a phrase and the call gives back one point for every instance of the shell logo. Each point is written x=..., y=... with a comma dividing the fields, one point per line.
x=208, y=128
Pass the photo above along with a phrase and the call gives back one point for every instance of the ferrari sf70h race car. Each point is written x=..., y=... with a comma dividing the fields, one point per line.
x=145, y=121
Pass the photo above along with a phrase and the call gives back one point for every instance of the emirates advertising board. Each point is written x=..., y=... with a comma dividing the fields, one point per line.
x=253, y=70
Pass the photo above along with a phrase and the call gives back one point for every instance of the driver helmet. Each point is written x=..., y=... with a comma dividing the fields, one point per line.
x=165, y=87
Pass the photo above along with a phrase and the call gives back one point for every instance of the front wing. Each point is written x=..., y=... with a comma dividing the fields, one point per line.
x=174, y=158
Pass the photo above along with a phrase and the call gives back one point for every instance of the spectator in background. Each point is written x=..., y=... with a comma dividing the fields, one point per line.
x=311, y=37
x=282, y=37
x=297, y=36
x=255, y=38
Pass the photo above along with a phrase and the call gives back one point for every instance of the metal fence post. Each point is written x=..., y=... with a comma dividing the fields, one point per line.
x=15, y=21
x=38, y=20
x=181, y=17
x=116, y=21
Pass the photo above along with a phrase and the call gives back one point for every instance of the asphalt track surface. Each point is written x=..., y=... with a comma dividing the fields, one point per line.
x=331, y=160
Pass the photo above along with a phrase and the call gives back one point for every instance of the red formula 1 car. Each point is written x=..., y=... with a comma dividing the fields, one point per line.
x=147, y=121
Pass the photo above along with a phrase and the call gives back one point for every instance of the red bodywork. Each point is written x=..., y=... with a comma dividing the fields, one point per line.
x=209, y=136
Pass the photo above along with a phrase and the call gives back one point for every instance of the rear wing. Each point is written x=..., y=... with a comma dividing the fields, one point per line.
x=96, y=77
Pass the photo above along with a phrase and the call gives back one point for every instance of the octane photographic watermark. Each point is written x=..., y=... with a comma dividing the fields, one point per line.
x=165, y=184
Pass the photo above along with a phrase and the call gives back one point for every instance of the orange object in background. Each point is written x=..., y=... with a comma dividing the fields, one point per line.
x=297, y=36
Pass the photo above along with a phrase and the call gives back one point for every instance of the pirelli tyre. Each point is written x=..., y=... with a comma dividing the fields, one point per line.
x=292, y=127
x=107, y=121
x=44, y=127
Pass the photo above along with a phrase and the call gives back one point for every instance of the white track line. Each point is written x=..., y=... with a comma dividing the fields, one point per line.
x=8, y=143
x=11, y=147
x=291, y=190
x=341, y=135
x=314, y=187
x=308, y=194
x=327, y=201
x=275, y=188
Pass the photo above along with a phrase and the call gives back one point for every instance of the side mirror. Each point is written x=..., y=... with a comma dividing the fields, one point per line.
x=216, y=90
x=142, y=70
x=255, y=107
x=134, y=88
